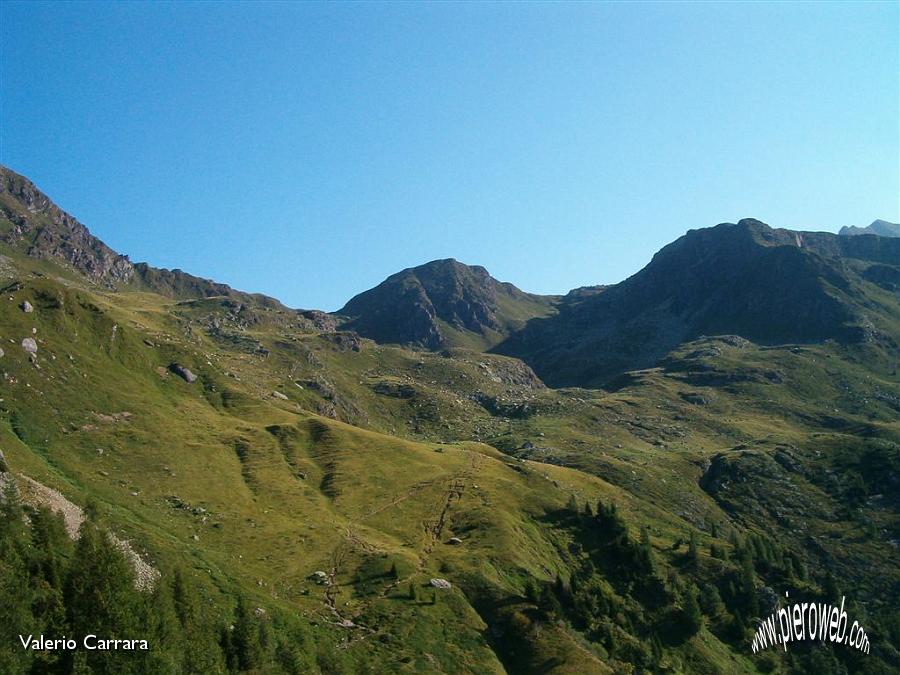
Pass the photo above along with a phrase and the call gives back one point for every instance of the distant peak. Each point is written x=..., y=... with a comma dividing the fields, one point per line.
x=882, y=228
x=434, y=304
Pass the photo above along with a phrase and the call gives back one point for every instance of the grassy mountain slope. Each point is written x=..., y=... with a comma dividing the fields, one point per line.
x=256, y=493
x=738, y=470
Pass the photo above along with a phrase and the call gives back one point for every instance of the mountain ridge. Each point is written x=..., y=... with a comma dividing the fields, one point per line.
x=765, y=284
x=42, y=230
x=439, y=304
x=882, y=228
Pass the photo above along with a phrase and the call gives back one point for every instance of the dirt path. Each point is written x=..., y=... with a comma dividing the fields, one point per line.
x=434, y=527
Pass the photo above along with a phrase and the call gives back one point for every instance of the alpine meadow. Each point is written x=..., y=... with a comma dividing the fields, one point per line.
x=416, y=450
x=448, y=474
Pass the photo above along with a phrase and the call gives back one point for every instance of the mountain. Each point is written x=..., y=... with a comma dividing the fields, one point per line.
x=440, y=304
x=36, y=226
x=882, y=228
x=767, y=285
x=307, y=500
x=32, y=224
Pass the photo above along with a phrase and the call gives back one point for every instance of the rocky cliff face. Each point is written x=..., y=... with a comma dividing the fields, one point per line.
x=430, y=305
x=42, y=230
x=32, y=224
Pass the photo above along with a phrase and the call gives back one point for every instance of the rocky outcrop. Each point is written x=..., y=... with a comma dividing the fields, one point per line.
x=43, y=230
x=40, y=229
x=767, y=285
x=440, y=303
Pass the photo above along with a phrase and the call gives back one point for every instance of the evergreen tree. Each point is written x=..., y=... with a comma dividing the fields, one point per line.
x=204, y=654
x=710, y=600
x=692, y=554
x=748, y=586
x=50, y=547
x=646, y=552
x=692, y=613
x=101, y=598
x=531, y=590
x=830, y=588
x=163, y=630
x=245, y=637
x=549, y=603
x=645, y=537
x=15, y=594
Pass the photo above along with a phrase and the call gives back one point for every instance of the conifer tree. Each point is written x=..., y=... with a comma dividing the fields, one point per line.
x=101, y=598
x=15, y=596
x=693, y=554
x=692, y=613
x=245, y=637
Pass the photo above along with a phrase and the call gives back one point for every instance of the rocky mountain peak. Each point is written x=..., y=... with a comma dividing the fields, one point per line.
x=438, y=304
x=882, y=228
x=41, y=229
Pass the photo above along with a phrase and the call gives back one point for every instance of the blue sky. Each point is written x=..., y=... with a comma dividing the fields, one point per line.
x=309, y=150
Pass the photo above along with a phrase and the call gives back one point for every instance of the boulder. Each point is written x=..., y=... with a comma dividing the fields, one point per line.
x=455, y=541
x=278, y=394
x=27, y=307
x=29, y=345
x=441, y=583
x=183, y=372
x=695, y=398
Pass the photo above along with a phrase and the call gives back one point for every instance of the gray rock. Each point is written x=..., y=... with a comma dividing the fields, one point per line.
x=183, y=372
x=1, y=352
x=278, y=394
x=29, y=345
x=441, y=583
x=27, y=307
x=455, y=541
x=695, y=398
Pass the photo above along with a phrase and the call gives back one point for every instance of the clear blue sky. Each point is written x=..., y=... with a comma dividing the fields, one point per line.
x=309, y=150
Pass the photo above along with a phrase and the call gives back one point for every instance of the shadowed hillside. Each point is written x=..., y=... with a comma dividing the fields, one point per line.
x=769, y=286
